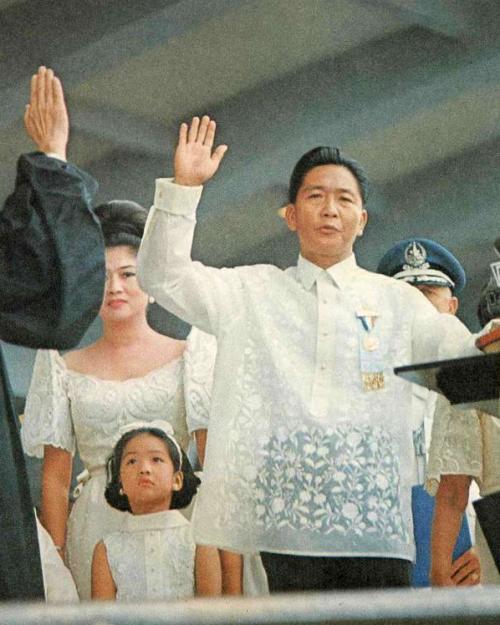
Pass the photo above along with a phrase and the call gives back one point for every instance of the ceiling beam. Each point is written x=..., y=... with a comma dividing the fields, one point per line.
x=449, y=18
x=122, y=130
x=117, y=46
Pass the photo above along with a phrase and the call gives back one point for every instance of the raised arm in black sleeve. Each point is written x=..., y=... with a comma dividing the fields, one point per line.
x=51, y=285
x=51, y=255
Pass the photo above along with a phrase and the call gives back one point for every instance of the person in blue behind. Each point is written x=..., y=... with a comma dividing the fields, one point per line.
x=428, y=266
x=51, y=285
x=437, y=273
x=308, y=459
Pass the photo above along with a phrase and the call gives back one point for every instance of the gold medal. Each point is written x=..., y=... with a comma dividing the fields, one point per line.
x=370, y=343
x=373, y=381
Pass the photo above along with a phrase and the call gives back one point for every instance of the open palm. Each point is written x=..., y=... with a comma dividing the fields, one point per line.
x=194, y=161
x=46, y=117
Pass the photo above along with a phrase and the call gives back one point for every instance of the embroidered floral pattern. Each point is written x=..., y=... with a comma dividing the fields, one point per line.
x=343, y=480
x=456, y=445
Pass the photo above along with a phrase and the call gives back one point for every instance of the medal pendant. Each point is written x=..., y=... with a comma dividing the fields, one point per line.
x=373, y=381
x=370, y=343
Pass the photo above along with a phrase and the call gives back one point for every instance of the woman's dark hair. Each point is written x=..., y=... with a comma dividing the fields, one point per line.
x=325, y=155
x=122, y=223
x=180, y=498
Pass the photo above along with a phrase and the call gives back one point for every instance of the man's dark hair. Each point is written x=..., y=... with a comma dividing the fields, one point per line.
x=325, y=155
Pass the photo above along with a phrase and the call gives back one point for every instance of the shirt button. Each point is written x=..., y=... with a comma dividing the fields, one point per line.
x=325, y=301
x=322, y=367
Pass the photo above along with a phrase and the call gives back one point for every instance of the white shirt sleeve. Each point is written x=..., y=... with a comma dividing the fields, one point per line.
x=199, y=360
x=47, y=417
x=438, y=336
x=206, y=297
x=456, y=444
x=57, y=580
x=55, y=155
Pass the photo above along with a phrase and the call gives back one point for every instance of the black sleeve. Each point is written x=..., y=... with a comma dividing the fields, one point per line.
x=20, y=566
x=51, y=255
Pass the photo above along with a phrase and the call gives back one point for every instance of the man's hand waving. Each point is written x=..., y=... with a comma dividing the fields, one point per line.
x=194, y=162
x=46, y=117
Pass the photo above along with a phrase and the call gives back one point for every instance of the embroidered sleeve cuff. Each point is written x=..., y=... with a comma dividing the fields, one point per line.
x=175, y=198
x=431, y=486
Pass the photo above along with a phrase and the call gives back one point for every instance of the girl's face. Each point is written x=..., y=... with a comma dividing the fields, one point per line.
x=147, y=474
x=123, y=297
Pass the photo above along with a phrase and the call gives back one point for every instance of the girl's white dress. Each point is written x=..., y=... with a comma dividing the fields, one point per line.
x=152, y=557
x=71, y=410
x=57, y=581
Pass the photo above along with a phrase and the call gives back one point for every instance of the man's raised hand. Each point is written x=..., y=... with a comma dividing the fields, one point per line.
x=46, y=117
x=194, y=161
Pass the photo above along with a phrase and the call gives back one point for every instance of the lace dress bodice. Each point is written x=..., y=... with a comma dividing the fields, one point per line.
x=68, y=409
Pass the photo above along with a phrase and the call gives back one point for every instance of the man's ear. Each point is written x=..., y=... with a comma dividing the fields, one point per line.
x=362, y=222
x=453, y=305
x=290, y=216
x=178, y=480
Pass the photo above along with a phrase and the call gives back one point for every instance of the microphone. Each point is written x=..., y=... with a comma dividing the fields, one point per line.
x=489, y=300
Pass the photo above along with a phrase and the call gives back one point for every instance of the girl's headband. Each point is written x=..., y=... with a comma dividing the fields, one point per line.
x=157, y=424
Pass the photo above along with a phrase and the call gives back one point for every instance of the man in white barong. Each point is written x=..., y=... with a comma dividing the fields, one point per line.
x=309, y=458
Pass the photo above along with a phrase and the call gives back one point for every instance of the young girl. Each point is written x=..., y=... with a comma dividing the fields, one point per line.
x=153, y=556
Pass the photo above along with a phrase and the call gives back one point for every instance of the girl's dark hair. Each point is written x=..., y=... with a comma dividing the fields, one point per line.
x=325, y=155
x=122, y=222
x=180, y=498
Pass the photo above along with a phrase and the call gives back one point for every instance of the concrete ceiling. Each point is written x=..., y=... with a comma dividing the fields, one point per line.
x=411, y=88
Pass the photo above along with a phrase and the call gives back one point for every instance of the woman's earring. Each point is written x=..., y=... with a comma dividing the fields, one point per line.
x=121, y=491
x=151, y=299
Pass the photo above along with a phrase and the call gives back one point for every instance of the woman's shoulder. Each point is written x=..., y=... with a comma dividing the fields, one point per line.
x=100, y=362
x=167, y=345
x=48, y=364
x=81, y=360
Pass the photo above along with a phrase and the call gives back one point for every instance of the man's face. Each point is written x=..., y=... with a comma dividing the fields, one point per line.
x=440, y=297
x=327, y=214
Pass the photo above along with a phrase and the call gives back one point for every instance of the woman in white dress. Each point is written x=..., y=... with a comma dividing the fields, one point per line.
x=82, y=399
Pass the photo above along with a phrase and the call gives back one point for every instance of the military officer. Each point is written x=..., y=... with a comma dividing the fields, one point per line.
x=437, y=273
